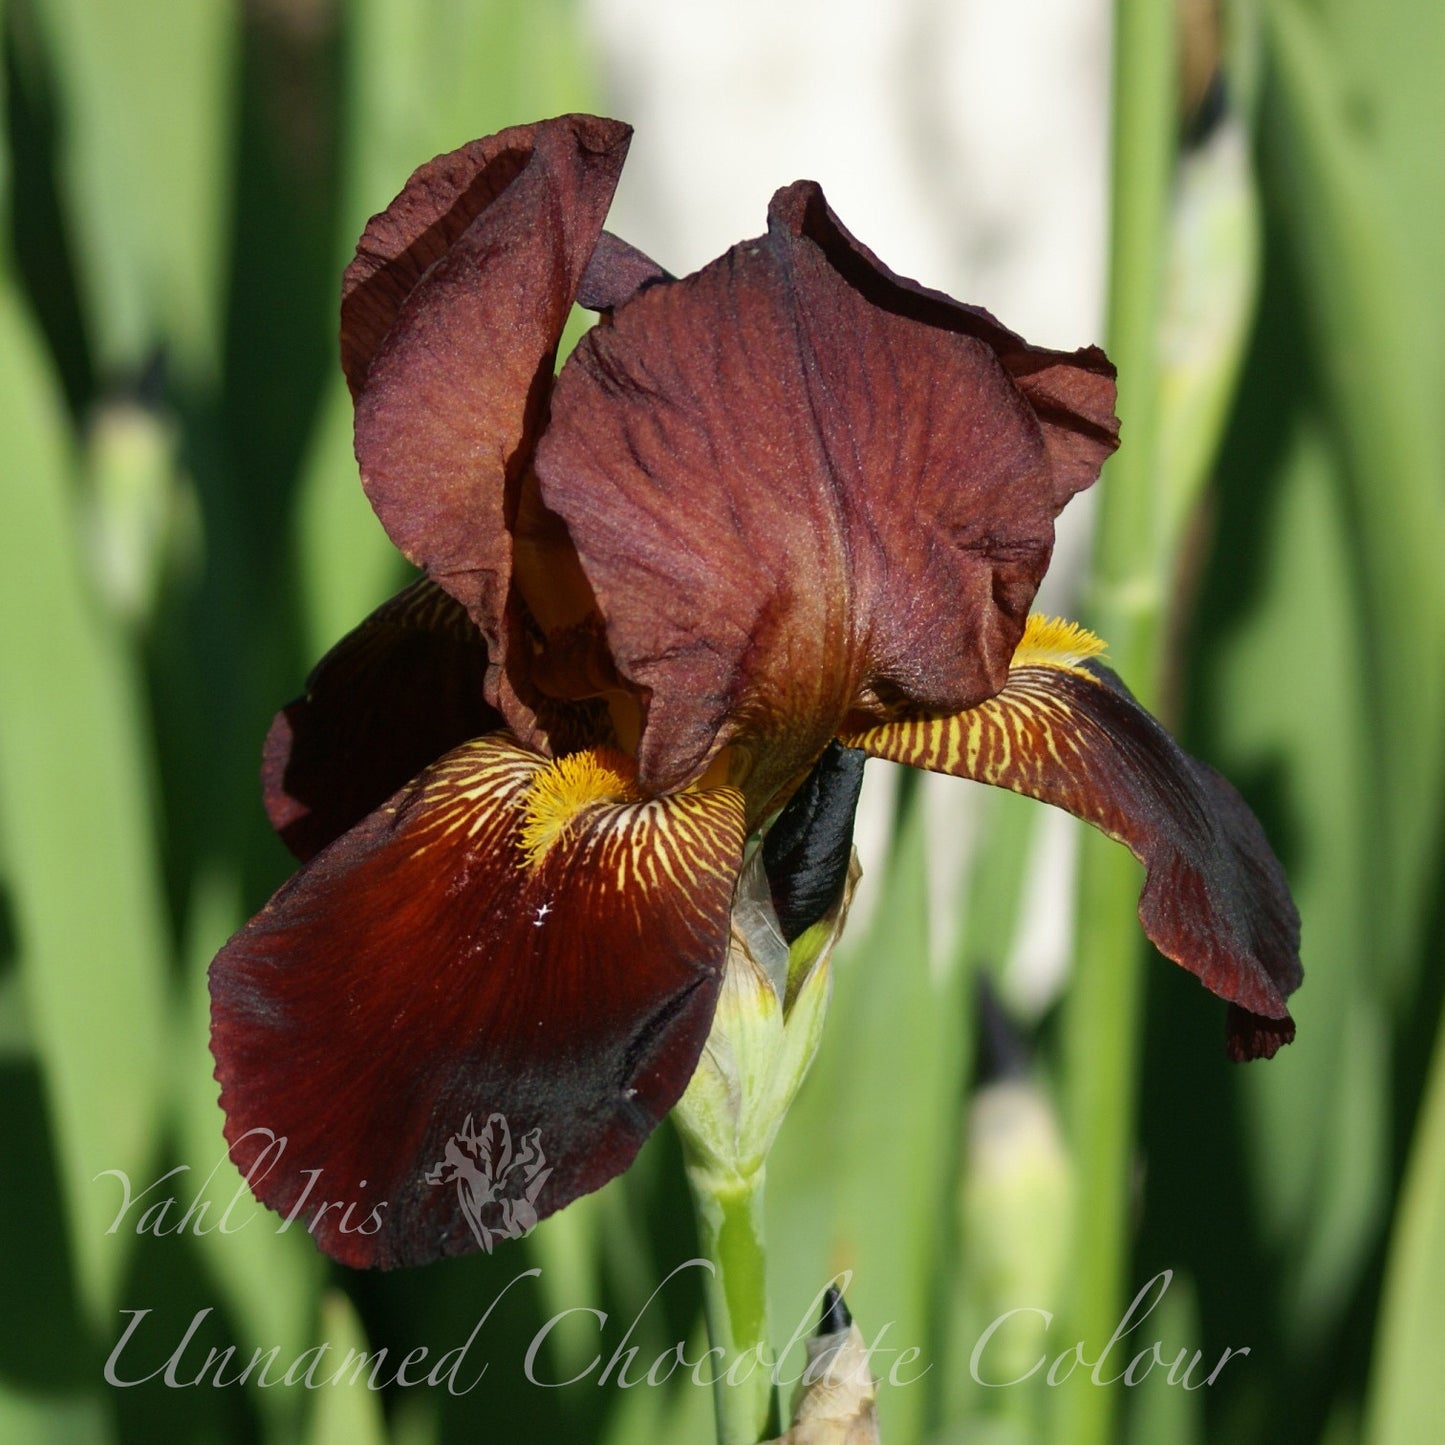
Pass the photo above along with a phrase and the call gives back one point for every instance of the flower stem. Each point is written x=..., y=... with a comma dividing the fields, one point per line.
x=729, y=1212
x=1130, y=566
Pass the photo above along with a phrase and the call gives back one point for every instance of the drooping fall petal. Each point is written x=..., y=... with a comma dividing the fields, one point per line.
x=789, y=489
x=452, y=312
x=389, y=699
x=1065, y=729
x=506, y=936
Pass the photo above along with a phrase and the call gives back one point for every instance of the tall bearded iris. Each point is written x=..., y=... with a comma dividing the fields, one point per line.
x=789, y=499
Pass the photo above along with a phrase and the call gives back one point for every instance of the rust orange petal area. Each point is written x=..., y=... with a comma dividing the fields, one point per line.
x=391, y=697
x=789, y=492
x=454, y=306
x=506, y=936
x=1067, y=731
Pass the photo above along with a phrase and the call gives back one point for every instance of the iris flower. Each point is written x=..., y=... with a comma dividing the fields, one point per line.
x=790, y=499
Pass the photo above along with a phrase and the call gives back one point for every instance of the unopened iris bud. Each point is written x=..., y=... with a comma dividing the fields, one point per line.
x=1018, y=1192
x=140, y=514
x=807, y=851
x=1019, y=1189
x=765, y=1033
x=836, y=1402
x=788, y=912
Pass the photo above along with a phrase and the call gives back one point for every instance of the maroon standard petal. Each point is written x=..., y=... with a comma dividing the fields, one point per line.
x=506, y=937
x=1065, y=730
x=1071, y=392
x=391, y=697
x=796, y=483
x=450, y=322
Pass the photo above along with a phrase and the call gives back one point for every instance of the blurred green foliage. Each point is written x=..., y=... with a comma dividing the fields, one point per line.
x=183, y=534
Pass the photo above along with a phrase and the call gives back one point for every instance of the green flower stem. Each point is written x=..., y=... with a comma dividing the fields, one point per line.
x=1130, y=562
x=729, y=1212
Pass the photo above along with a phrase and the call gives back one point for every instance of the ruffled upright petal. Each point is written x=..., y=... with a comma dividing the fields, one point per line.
x=1065, y=730
x=389, y=699
x=1071, y=393
x=451, y=315
x=793, y=483
x=507, y=936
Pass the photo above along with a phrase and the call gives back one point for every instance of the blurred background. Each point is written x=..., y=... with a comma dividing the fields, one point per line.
x=1017, y=1107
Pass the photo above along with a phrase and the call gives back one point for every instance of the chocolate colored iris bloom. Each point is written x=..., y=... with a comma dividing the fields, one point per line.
x=789, y=499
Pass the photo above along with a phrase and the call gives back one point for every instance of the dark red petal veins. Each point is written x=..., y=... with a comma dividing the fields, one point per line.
x=391, y=697
x=506, y=936
x=1067, y=731
x=790, y=491
x=452, y=314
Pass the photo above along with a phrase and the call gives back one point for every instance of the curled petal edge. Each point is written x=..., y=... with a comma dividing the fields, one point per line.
x=1072, y=393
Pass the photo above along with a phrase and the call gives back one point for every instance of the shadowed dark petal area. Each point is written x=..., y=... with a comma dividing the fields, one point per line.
x=389, y=699
x=616, y=273
x=552, y=600
x=807, y=850
x=453, y=311
x=507, y=937
x=788, y=495
x=1067, y=731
